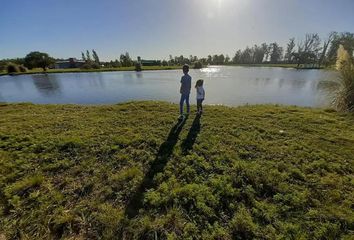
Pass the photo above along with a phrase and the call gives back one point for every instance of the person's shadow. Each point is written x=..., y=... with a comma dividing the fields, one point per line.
x=188, y=143
x=166, y=148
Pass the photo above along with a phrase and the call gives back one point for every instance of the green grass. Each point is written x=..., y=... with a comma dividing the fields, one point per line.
x=73, y=70
x=130, y=171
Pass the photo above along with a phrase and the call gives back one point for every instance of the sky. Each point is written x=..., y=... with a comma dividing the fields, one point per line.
x=154, y=29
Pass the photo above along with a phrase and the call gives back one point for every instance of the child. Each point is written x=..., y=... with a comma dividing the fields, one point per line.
x=200, y=95
x=186, y=82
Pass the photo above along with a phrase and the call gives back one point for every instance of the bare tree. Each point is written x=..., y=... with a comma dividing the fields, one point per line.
x=308, y=50
x=290, y=50
x=326, y=44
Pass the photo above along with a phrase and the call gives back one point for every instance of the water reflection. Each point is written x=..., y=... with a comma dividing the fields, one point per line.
x=96, y=81
x=46, y=84
x=298, y=84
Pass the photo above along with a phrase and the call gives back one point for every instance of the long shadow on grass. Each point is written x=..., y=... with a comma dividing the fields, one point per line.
x=188, y=143
x=157, y=166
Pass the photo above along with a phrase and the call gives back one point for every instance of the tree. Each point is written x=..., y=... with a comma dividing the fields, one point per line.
x=125, y=60
x=346, y=39
x=259, y=52
x=326, y=44
x=209, y=59
x=227, y=59
x=219, y=59
x=308, y=50
x=38, y=59
x=83, y=56
x=237, y=58
x=190, y=58
x=290, y=50
x=268, y=51
x=276, y=53
x=88, y=56
x=246, y=56
x=198, y=65
x=171, y=61
x=95, y=56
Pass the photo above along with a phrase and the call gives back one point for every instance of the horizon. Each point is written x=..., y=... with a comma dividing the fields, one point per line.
x=156, y=29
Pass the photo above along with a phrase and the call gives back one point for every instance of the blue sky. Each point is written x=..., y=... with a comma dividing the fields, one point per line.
x=157, y=28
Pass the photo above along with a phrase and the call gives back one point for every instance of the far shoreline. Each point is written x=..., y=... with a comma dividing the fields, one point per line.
x=146, y=68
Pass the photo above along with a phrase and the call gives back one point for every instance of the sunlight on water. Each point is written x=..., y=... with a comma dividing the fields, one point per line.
x=210, y=69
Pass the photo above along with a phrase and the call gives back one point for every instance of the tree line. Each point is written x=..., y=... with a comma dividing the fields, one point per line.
x=311, y=50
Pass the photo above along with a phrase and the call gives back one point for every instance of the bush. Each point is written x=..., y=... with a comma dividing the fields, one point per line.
x=2, y=65
x=95, y=65
x=344, y=97
x=22, y=68
x=90, y=65
x=12, y=68
x=198, y=65
x=86, y=66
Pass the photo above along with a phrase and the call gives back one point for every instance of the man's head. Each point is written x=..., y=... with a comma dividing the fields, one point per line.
x=185, y=68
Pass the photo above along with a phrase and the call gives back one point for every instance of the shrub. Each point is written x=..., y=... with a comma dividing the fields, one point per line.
x=2, y=65
x=90, y=65
x=22, y=68
x=344, y=97
x=242, y=224
x=95, y=65
x=86, y=66
x=12, y=68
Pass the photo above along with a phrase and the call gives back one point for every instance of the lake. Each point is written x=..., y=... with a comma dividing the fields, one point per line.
x=226, y=85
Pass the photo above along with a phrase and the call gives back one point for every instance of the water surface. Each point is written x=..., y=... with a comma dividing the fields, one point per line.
x=223, y=85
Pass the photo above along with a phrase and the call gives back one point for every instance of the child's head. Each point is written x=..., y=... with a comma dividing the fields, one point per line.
x=199, y=83
x=185, y=68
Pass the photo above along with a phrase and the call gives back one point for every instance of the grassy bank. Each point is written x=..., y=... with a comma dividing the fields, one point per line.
x=131, y=171
x=74, y=70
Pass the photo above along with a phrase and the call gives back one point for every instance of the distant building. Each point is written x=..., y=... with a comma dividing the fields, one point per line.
x=69, y=63
x=149, y=62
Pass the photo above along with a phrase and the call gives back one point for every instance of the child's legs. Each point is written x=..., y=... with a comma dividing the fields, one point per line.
x=199, y=103
x=187, y=102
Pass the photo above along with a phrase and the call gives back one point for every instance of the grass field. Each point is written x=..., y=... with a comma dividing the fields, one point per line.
x=131, y=171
